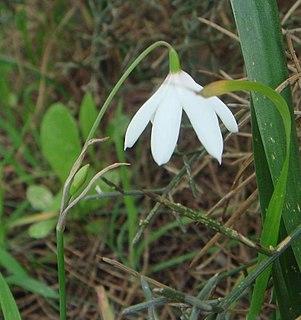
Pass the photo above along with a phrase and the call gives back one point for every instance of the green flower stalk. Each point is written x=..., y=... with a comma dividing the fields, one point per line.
x=77, y=176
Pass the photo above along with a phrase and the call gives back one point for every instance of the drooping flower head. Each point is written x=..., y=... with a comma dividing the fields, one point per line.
x=164, y=109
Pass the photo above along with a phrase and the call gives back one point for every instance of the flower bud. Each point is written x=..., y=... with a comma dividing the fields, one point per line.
x=79, y=179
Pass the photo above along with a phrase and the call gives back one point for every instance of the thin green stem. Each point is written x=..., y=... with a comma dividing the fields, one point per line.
x=144, y=305
x=61, y=272
x=123, y=193
x=178, y=296
x=64, y=207
x=121, y=81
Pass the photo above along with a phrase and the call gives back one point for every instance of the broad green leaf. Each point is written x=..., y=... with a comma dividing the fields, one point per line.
x=87, y=114
x=7, y=302
x=39, y=196
x=42, y=229
x=60, y=139
x=33, y=286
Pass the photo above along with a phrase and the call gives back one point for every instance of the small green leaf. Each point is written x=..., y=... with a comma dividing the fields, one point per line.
x=41, y=229
x=60, y=139
x=39, y=196
x=87, y=114
x=8, y=304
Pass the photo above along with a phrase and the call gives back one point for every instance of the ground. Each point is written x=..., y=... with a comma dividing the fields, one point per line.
x=57, y=51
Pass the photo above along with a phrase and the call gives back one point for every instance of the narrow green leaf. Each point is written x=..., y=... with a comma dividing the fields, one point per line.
x=275, y=206
x=262, y=46
x=272, y=222
x=60, y=139
x=11, y=264
x=33, y=286
x=149, y=297
x=8, y=304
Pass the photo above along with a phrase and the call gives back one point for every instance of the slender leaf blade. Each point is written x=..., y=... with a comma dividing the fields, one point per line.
x=262, y=45
x=32, y=285
x=11, y=264
x=8, y=304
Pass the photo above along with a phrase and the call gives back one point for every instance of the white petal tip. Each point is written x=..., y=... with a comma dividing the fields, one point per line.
x=128, y=142
x=161, y=162
x=160, y=157
x=234, y=129
x=218, y=157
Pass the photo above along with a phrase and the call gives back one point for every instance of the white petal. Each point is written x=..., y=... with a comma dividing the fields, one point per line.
x=205, y=124
x=185, y=81
x=224, y=113
x=220, y=108
x=143, y=116
x=166, y=127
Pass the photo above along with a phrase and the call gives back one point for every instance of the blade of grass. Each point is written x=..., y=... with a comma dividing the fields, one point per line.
x=261, y=41
x=32, y=285
x=8, y=304
x=149, y=297
x=11, y=264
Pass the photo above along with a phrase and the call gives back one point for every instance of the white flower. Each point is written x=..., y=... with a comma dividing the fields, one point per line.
x=164, y=109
